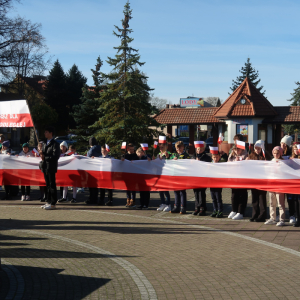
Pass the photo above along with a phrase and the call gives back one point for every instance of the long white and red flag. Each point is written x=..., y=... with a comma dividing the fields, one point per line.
x=157, y=175
x=15, y=113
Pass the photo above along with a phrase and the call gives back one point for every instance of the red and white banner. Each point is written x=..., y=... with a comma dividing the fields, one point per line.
x=214, y=150
x=162, y=139
x=144, y=146
x=198, y=144
x=241, y=145
x=156, y=175
x=15, y=114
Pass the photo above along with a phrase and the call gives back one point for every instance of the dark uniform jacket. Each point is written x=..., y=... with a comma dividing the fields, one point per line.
x=52, y=154
x=202, y=157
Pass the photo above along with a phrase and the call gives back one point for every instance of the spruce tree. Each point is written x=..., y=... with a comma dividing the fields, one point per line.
x=124, y=103
x=296, y=95
x=56, y=96
x=75, y=81
x=86, y=113
x=251, y=73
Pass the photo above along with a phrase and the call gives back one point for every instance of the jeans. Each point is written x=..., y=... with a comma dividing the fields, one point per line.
x=162, y=198
x=51, y=187
x=180, y=197
x=200, y=198
x=259, y=204
x=131, y=195
x=216, y=195
x=291, y=203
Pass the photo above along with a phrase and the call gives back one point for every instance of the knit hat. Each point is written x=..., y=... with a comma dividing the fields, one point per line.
x=287, y=139
x=260, y=144
x=25, y=145
x=279, y=149
x=92, y=141
x=64, y=143
x=6, y=144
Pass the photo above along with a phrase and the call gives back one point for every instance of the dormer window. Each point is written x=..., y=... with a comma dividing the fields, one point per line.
x=243, y=101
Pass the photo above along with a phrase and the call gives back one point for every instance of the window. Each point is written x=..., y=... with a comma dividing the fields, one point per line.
x=243, y=130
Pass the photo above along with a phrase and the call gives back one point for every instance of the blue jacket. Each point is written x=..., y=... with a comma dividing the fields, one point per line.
x=94, y=151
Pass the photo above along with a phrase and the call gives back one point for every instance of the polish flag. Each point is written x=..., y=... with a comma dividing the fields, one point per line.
x=69, y=152
x=34, y=151
x=198, y=144
x=162, y=139
x=155, y=144
x=263, y=152
x=220, y=139
x=298, y=147
x=214, y=150
x=107, y=148
x=123, y=145
x=241, y=145
x=144, y=146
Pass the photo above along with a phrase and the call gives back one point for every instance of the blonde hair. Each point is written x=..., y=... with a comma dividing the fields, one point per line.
x=179, y=144
x=139, y=150
x=293, y=153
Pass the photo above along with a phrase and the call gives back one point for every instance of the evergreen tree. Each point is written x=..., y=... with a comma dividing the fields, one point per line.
x=86, y=113
x=75, y=81
x=124, y=103
x=56, y=96
x=251, y=73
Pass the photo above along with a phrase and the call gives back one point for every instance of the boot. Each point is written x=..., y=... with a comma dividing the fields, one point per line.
x=128, y=202
x=297, y=213
x=132, y=203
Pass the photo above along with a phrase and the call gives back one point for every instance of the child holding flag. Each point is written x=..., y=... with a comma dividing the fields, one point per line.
x=130, y=155
x=25, y=152
x=276, y=198
x=144, y=195
x=200, y=194
x=216, y=193
x=239, y=197
x=165, y=197
x=259, y=197
x=180, y=196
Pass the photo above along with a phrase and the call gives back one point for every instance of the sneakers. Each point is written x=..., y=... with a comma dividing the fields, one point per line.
x=139, y=207
x=270, y=222
x=128, y=202
x=167, y=208
x=62, y=200
x=109, y=203
x=214, y=214
x=175, y=210
x=145, y=207
x=132, y=203
x=27, y=198
x=73, y=200
x=196, y=212
x=50, y=207
x=43, y=206
x=280, y=223
x=238, y=216
x=220, y=214
x=231, y=215
x=292, y=220
x=182, y=210
x=161, y=207
x=23, y=198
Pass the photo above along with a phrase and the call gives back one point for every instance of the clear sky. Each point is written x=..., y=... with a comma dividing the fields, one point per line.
x=190, y=47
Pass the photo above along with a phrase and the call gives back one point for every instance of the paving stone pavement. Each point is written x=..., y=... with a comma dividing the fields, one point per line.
x=100, y=252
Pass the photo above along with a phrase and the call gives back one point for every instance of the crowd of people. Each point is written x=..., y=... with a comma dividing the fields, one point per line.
x=50, y=151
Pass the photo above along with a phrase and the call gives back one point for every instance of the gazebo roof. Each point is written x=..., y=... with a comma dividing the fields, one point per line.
x=256, y=105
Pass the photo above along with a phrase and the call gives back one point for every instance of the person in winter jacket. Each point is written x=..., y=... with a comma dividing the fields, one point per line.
x=200, y=194
x=95, y=151
x=259, y=197
x=25, y=189
x=239, y=197
x=276, y=198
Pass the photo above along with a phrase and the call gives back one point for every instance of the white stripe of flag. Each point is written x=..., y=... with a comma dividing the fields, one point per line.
x=162, y=139
x=241, y=145
x=107, y=148
x=123, y=145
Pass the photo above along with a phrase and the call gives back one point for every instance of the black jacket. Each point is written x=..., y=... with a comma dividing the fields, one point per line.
x=132, y=156
x=202, y=157
x=52, y=154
